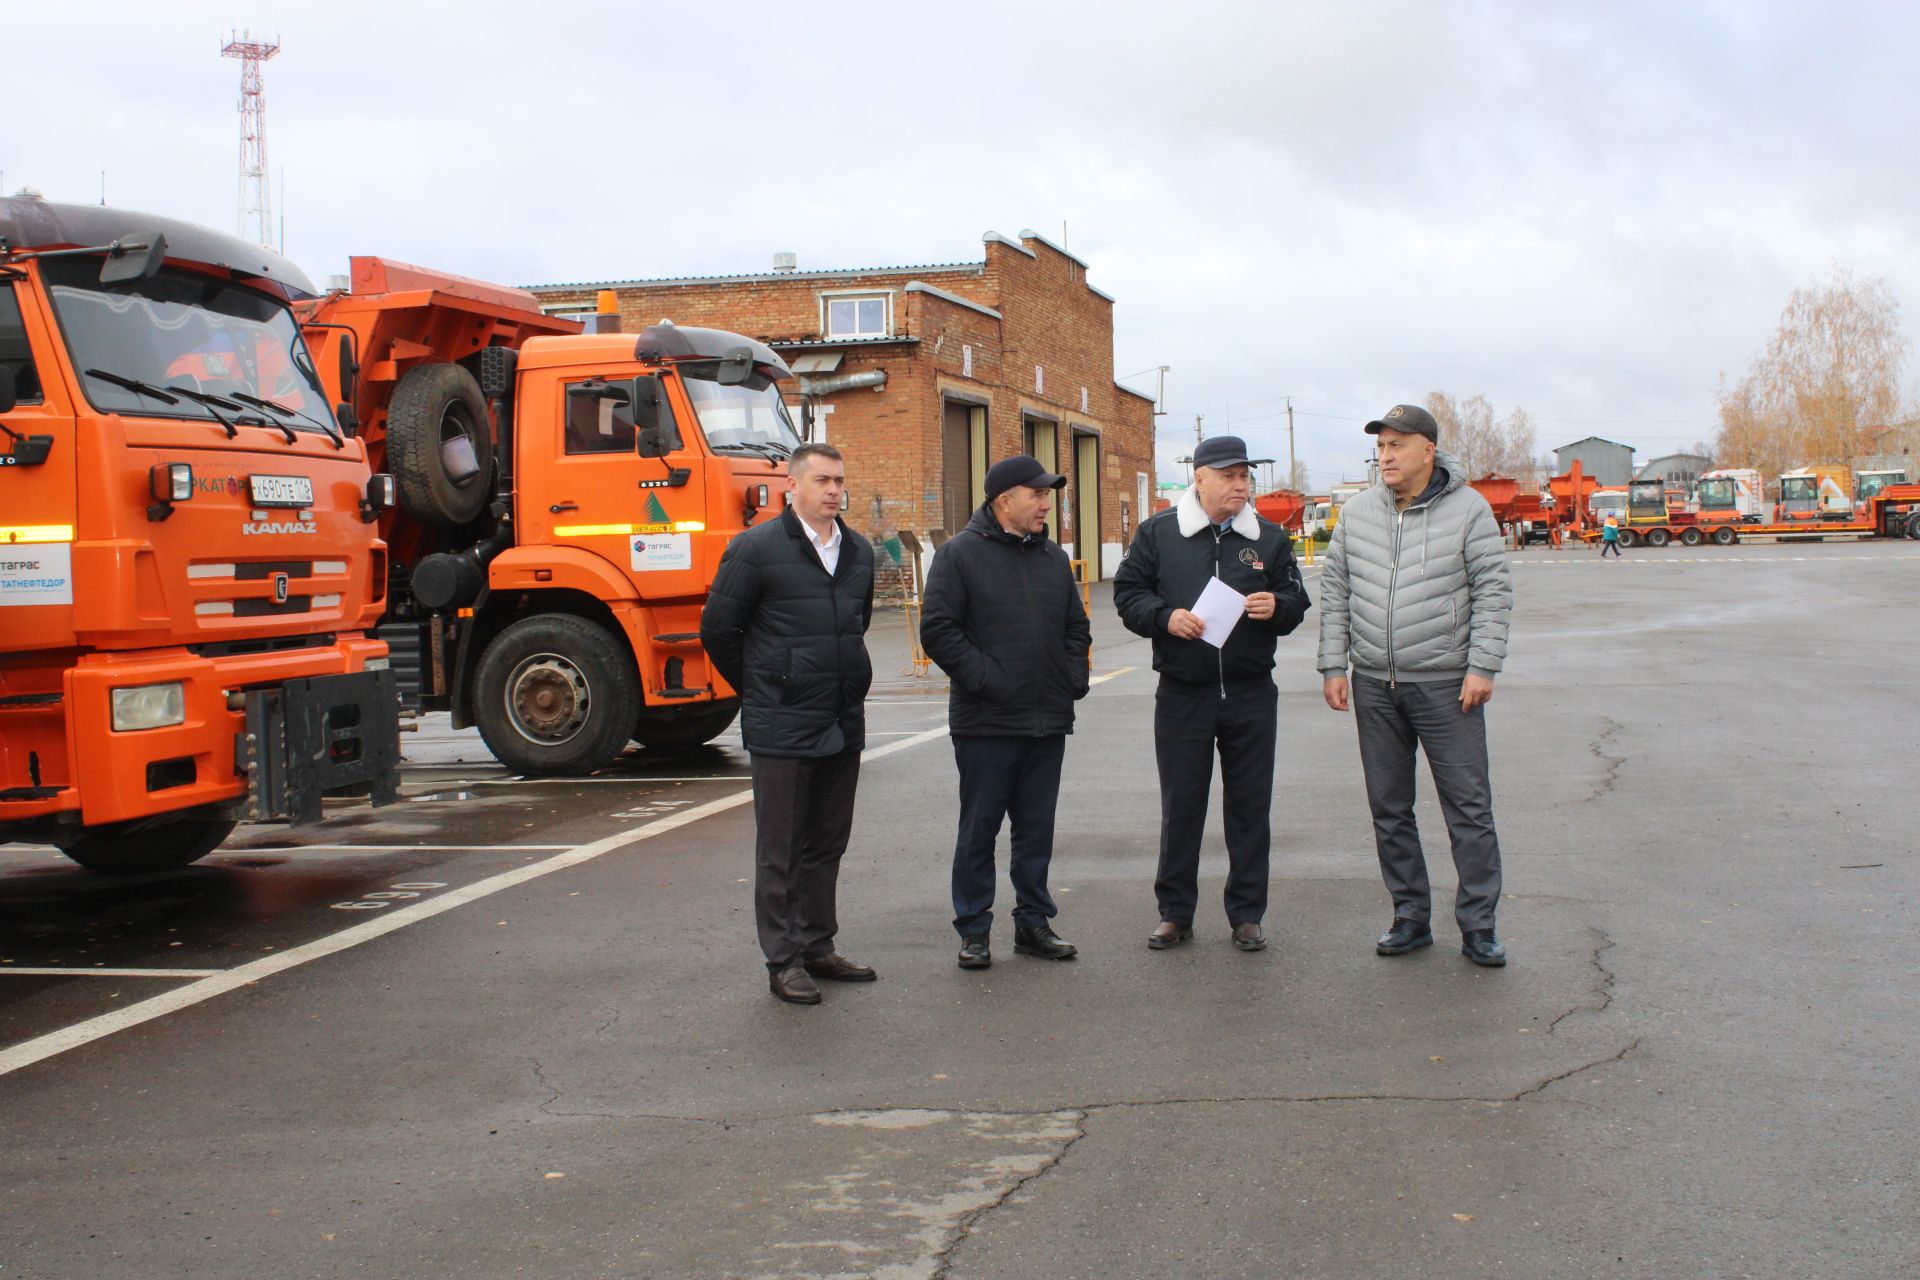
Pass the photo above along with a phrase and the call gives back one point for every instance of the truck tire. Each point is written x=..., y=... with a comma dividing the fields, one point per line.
x=132, y=850
x=1658, y=537
x=682, y=732
x=1627, y=538
x=1724, y=536
x=1913, y=525
x=434, y=406
x=556, y=695
x=1692, y=537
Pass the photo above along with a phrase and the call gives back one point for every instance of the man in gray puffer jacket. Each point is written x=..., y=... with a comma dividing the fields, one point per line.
x=1415, y=595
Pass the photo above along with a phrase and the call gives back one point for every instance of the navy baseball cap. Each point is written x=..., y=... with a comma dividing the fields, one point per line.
x=1020, y=469
x=1410, y=418
x=1224, y=451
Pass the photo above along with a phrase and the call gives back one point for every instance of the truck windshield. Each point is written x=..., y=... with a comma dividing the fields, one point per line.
x=1716, y=494
x=194, y=337
x=749, y=417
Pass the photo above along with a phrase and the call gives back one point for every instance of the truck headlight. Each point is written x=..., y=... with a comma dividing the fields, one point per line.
x=170, y=481
x=149, y=706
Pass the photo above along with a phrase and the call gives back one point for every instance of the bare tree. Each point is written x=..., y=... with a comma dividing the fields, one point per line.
x=1470, y=431
x=1828, y=381
x=1297, y=478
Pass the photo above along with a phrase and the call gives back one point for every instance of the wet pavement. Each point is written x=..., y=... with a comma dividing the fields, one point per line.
x=519, y=1027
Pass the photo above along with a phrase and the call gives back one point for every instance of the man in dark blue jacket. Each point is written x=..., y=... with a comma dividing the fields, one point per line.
x=1213, y=690
x=1003, y=618
x=785, y=623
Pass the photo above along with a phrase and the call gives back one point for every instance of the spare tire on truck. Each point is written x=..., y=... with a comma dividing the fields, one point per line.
x=129, y=849
x=440, y=445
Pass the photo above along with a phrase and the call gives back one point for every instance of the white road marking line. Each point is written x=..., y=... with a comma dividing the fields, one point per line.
x=1110, y=675
x=43, y=1047
x=230, y=850
x=55, y=971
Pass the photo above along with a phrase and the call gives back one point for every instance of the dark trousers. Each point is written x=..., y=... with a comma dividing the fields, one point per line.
x=1002, y=778
x=1189, y=723
x=1609, y=544
x=803, y=811
x=1392, y=720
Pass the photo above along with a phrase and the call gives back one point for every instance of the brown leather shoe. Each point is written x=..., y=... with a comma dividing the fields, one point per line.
x=837, y=968
x=794, y=986
x=1248, y=937
x=1168, y=934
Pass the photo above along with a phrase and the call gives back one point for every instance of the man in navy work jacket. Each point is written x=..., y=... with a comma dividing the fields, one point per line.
x=785, y=623
x=1003, y=619
x=1213, y=696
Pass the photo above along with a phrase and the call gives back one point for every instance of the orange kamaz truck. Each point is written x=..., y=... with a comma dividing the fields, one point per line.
x=563, y=502
x=189, y=560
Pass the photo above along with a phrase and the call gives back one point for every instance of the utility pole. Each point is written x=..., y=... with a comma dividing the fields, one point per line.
x=1198, y=434
x=1292, y=466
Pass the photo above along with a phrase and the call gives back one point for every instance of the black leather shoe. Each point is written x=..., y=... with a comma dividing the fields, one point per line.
x=1042, y=941
x=1248, y=937
x=837, y=968
x=1481, y=947
x=794, y=986
x=974, y=952
x=1405, y=935
x=1168, y=934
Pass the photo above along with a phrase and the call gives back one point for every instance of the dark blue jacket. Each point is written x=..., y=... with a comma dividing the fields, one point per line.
x=792, y=639
x=1004, y=620
x=1167, y=570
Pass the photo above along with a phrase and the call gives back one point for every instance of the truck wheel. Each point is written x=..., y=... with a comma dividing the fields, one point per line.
x=682, y=732
x=1724, y=536
x=1657, y=537
x=440, y=445
x=1628, y=537
x=127, y=849
x=1692, y=537
x=556, y=695
x=1913, y=526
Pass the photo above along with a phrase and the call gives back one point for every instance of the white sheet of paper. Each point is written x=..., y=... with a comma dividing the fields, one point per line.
x=1218, y=608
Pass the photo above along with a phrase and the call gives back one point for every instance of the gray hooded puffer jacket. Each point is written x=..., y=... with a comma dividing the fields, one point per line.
x=1420, y=594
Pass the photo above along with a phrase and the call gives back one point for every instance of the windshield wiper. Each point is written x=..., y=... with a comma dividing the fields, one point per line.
x=286, y=411
x=134, y=385
x=767, y=451
x=214, y=404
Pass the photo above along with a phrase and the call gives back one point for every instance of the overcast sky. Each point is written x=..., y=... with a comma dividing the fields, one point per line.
x=1587, y=210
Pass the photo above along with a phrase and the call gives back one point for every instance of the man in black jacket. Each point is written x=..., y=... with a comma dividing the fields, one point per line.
x=785, y=622
x=1216, y=689
x=1003, y=619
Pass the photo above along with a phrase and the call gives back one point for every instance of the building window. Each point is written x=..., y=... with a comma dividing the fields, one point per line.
x=862, y=316
x=568, y=310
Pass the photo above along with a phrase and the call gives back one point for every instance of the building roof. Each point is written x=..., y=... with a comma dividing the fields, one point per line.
x=921, y=286
x=785, y=344
x=1593, y=440
x=841, y=273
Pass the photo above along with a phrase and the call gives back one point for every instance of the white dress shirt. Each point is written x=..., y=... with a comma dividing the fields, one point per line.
x=829, y=550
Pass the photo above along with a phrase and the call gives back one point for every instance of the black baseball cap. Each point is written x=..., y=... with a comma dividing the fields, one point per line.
x=1410, y=418
x=1224, y=451
x=1020, y=469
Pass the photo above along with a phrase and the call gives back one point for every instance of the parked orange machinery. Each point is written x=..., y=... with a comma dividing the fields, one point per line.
x=563, y=502
x=188, y=558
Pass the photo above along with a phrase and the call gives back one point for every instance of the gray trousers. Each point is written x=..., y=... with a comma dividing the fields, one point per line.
x=1392, y=720
x=803, y=812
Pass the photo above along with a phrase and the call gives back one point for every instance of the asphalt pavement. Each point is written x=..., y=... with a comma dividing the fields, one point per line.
x=515, y=1027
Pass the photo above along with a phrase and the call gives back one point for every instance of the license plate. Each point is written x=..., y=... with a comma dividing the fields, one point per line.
x=281, y=491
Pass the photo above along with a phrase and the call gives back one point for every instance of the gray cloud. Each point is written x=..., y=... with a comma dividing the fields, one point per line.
x=1590, y=211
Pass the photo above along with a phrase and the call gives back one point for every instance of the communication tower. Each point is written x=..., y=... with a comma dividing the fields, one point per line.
x=256, y=206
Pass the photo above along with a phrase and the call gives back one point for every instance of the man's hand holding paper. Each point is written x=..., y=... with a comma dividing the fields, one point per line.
x=1218, y=608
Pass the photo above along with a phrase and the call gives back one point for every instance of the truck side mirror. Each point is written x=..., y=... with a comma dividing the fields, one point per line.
x=136, y=261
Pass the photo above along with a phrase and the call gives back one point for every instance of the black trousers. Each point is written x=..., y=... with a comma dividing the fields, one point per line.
x=803, y=809
x=1189, y=723
x=1002, y=778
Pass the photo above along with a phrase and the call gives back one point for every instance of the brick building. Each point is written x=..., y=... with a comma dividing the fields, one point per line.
x=924, y=376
